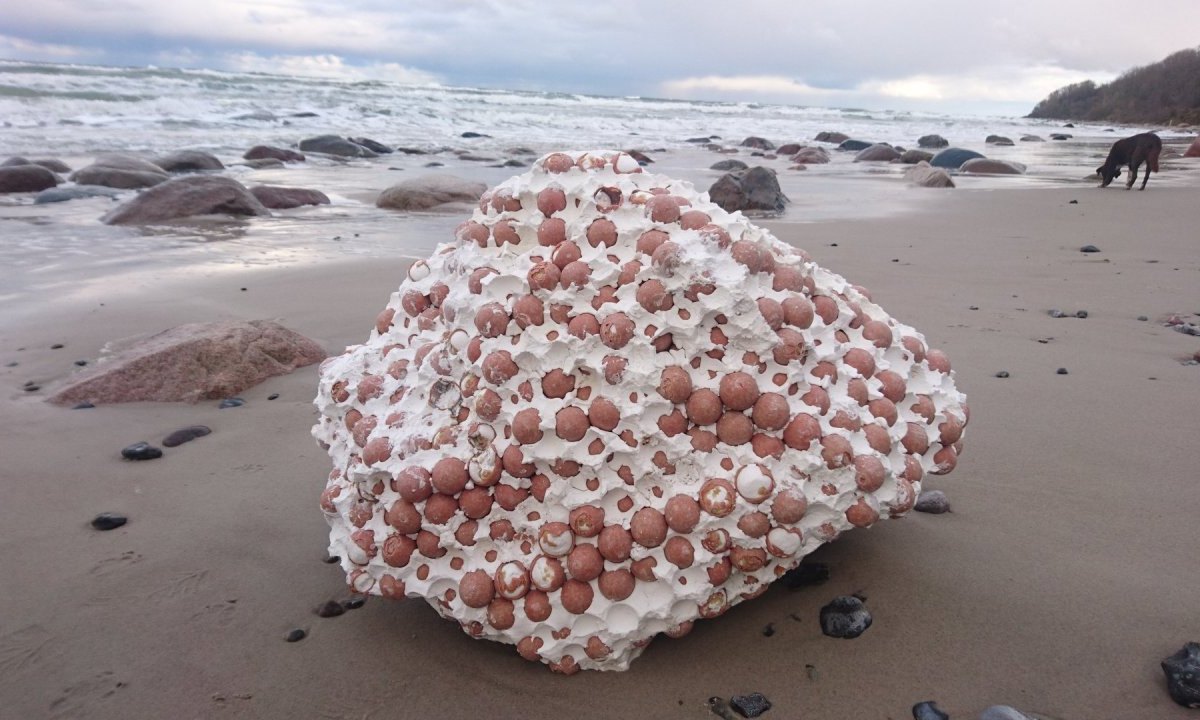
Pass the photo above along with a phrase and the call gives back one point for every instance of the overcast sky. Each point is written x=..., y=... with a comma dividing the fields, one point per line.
x=940, y=55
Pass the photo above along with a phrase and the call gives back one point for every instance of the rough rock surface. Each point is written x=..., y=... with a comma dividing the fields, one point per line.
x=854, y=145
x=998, y=140
x=373, y=145
x=187, y=196
x=609, y=408
x=429, y=191
x=988, y=166
x=932, y=141
x=953, y=158
x=335, y=145
x=756, y=189
x=283, y=198
x=912, y=157
x=925, y=175
x=879, y=152
x=758, y=143
x=729, y=165
x=268, y=152
x=1183, y=675
x=189, y=161
x=120, y=171
x=811, y=156
x=199, y=361
x=836, y=138
x=26, y=178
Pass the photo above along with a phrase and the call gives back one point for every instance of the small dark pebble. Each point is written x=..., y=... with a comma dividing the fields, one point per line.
x=804, y=575
x=82, y=406
x=186, y=434
x=1081, y=313
x=57, y=346
x=895, y=259
x=295, y=635
x=32, y=388
x=231, y=403
x=332, y=560
x=933, y=502
x=973, y=307
x=750, y=706
x=720, y=708
x=1002, y=374
x=1143, y=318
x=811, y=671
x=833, y=244
x=354, y=603
x=1183, y=675
x=141, y=451
x=81, y=363
x=928, y=710
x=1061, y=371
x=14, y=363
x=329, y=608
x=243, y=289
x=769, y=630
x=845, y=617
x=1057, y=314
x=273, y=396
x=109, y=521
x=1089, y=249
x=1073, y=202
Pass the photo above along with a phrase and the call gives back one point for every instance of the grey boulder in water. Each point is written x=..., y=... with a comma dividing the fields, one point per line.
x=185, y=197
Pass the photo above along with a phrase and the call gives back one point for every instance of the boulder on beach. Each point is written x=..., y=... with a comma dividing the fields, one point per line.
x=120, y=171
x=953, y=158
x=430, y=191
x=755, y=189
x=1032, y=138
x=1193, y=149
x=925, y=175
x=988, y=166
x=789, y=149
x=188, y=161
x=932, y=141
x=283, y=198
x=51, y=164
x=187, y=196
x=879, y=152
x=75, y=192
x=198, y=361
x=26, y=178
x=373, y=145
x=831, y=137
x=335, y=145
x=997, y=140
x=758, y=143
x=854, y=145
x=269, y=152
x=912, y=157
x=811, y=156
x=729, y=165
x=1061, y=136
x=641, y=157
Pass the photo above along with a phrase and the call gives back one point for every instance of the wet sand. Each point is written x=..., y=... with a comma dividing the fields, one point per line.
x=1066, y=572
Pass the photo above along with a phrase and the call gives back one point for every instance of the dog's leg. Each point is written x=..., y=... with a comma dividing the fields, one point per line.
x=1151, y=164
x=1133, y=171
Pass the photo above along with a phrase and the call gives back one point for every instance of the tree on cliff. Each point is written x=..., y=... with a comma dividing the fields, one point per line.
x=1164, y=92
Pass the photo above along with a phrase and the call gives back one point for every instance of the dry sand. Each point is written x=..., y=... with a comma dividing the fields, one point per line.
x=1068, y=569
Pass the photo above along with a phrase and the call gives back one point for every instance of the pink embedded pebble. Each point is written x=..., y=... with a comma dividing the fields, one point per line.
x=606, y=408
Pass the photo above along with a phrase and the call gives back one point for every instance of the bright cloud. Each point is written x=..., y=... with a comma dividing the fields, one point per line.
x=326, y=66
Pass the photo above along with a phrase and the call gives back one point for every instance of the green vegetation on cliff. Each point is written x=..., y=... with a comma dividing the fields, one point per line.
x=1166, y=92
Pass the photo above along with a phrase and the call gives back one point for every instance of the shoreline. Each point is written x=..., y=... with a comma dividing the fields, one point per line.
x=1058, y=583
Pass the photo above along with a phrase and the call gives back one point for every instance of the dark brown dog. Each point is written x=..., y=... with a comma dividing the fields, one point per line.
x=1131, y=151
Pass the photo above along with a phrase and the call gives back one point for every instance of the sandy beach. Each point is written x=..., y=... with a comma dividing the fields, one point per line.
x=1065, y=573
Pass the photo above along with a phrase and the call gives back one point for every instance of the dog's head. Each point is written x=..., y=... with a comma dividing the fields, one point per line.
x=1107, y=174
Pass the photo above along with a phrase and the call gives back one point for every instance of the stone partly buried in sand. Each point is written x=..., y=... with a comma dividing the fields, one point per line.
x=428, y=192
x=609, y=408
x=276, y=197
x=1183, y=675
x=925, y=175
x=185, y=197
x=752, y=190
x=199, y=361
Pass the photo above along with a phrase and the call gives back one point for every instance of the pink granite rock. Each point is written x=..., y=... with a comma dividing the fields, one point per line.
x=198, y=361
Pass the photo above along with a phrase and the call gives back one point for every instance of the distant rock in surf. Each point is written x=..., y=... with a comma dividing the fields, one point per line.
x=429, y=191
x=264, y=152
x=26, y=178
x=283, y=198
x=189, y=161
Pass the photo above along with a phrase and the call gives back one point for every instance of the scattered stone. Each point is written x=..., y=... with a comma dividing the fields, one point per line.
x=373, y=145
x=472, y=134
x=231, y=403
x=805, y=575
x=109, y=521
x=997, y=140
x=831, y=137
x=273, y=396
x=276, y=197
x=720, y=708
x=141, y=451
x=1142, y=318
x=758, y=143
x=1061, y=371
x=1089, y=249
x=988, y=166
x=1056, y=313
x=199, y=361
x=1060, y=136
x=953, y=158
x=729, y=165
x=429, y=191
x=854, y=145
x=750, y=706
x=32, y=387
x=76, y=192
x=1081, y=314
x=189, y=161
x=932, y=141
x=355, y=602
x=51, y=164
x=1002, y=374
x=1003, y=712
x=753, y=189
x=1193, y=150
x=1183, y=675
x=933, y=502
x=82, y=406
x=769, y=630
x=925, y=175
x=186, y=434
x=329, y=608
x=879, y=152
x=928, y=710
x=335, y=145
x=295, y=635
x=26, y=178
x=268, y=152
x=912, y=157
x=1032, y=138
x=185, y=197
x=845, y=617
x=811, y=156
x=1073, y=202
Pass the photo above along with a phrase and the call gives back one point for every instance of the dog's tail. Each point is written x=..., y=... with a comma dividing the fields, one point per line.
x=1152, y=159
